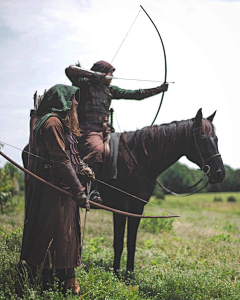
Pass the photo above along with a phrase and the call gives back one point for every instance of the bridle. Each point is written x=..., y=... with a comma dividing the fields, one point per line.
x=204, y=167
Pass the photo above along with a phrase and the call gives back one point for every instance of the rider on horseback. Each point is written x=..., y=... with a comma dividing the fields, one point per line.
x=96, y=94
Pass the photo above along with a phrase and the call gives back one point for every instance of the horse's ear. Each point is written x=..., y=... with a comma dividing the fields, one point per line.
x=210, y=118
x=198, y=119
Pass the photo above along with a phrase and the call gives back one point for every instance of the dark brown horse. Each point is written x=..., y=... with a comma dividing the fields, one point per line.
x=156, y=148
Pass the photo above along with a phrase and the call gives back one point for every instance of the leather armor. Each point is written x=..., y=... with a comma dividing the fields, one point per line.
x=72, y=152
x=96, y=110
x=78, y=165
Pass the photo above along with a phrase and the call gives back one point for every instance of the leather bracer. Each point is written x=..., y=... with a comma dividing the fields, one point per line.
x=70, y=179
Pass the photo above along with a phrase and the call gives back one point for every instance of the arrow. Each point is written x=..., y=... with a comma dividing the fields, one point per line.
x=112, y=77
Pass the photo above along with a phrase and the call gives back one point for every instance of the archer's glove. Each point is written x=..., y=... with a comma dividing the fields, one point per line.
x=164, y=87
x=82, y=200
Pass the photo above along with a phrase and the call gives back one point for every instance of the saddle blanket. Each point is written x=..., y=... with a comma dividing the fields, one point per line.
x=110, y=172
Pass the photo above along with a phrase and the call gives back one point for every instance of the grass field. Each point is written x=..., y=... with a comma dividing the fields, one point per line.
x=195, y=256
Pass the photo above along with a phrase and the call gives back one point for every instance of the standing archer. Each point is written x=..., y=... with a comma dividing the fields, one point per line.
x=51, y=237
x=96, y=94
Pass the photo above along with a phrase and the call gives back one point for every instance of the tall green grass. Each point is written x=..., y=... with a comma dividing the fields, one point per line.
x=192, y=257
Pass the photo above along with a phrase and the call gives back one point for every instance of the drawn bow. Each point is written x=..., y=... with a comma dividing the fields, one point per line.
x=165, y=63
x=165, y=59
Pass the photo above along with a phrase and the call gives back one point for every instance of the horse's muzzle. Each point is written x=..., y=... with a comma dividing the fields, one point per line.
x=217, y=177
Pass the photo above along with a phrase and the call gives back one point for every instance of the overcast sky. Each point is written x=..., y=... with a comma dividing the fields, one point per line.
x=39, y=39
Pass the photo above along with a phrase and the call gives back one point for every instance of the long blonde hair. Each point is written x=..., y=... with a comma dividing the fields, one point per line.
x=71, y=121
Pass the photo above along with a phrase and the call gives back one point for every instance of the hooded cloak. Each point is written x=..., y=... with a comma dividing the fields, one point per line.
x=51, y=237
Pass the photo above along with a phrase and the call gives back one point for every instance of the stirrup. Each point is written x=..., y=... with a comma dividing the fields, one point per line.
x=95, y=197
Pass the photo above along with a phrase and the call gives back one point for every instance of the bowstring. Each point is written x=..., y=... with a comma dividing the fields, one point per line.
x=117, y=53
x=140, y=199
x=24, y=151
x=126, y=36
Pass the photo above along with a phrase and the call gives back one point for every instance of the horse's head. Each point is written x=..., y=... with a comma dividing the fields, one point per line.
x=203, y=148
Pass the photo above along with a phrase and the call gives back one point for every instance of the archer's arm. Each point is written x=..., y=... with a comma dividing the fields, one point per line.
x=140, y=94
x=77, y=74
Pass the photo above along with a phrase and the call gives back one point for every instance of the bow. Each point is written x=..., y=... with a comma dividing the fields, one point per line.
x=165, y=62
x=123, y=213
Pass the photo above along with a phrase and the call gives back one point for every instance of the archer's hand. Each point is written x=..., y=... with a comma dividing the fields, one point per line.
x=82, y=200
x=164, y=87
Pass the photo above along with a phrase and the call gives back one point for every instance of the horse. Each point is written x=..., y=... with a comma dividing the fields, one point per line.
x=143, y=155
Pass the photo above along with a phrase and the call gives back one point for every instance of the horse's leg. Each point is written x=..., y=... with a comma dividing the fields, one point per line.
x=133, y=224
x=119, y=223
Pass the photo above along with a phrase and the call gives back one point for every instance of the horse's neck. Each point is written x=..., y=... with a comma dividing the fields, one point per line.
x=165, y=150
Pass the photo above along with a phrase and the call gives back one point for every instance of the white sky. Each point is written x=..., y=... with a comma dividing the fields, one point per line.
x=39, y=39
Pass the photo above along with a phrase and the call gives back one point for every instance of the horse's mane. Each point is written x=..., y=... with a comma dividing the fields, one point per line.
x=162, y=139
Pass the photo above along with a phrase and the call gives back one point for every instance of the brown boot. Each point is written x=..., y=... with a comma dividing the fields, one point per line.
x=73, y=285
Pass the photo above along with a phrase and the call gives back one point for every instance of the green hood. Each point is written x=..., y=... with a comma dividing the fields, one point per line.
x=58, y=99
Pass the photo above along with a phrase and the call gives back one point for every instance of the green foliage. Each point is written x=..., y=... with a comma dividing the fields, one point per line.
x=16, y=176
x=230, y=183
x=222, y=237
x=157, y=225
x=11, y=183
x=5, y=181
x=159, y=194
x=198, y=258
x=217, y=199
x=97, y=283
x=10, y=247
x=5, y=188
x=231, y=228
x=4, y=198
x=231, y=199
